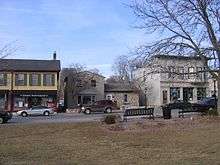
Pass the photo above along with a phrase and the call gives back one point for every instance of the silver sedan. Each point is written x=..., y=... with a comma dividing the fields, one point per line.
x=37, y=110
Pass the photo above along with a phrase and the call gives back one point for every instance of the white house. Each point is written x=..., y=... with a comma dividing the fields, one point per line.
x=167, y=78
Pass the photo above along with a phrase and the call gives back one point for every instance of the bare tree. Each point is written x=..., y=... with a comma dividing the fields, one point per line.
x=122, y=68
x=185, y=28
x=8, y=49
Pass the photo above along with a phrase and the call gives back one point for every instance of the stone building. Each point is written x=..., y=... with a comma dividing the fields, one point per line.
x=169, y=78
x=82, y=87
x=122, y=94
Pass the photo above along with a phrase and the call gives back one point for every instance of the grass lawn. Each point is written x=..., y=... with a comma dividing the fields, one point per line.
x=181, y=141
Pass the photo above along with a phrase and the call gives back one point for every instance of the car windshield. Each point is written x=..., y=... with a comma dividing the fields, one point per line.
x=205, y=100
x=39, y=107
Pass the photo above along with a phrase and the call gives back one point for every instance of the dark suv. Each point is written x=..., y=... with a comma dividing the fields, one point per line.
x=105, y=106
x=5, y=116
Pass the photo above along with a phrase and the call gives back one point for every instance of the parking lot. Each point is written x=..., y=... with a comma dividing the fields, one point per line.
x=57, y=118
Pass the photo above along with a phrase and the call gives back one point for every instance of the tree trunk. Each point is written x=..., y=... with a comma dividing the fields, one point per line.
x=218, y=96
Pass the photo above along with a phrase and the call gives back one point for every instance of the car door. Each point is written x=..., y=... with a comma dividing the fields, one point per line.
x=97, y=106
x=36, y=110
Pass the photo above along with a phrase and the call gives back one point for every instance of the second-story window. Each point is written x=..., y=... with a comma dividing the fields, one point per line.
x=93, y=83
x=191, y=72
x=199, y=73
x=35, y=79
x=125, y=98
x=3, y=79
x=20, y=79
x=181, y=73
x=49, y=80
x=171, y=72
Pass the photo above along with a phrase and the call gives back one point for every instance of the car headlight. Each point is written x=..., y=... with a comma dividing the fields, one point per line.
x=83, y=108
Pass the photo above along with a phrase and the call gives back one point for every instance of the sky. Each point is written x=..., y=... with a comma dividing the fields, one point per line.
x=90, y=32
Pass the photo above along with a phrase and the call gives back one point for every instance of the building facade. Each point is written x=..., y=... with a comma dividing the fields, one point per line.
x=170, y=78
x=81, y=88
x=122, y=93
x=26, y=83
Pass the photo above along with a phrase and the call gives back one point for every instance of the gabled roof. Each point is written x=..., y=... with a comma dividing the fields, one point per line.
x=120, y=87
x=29, y=65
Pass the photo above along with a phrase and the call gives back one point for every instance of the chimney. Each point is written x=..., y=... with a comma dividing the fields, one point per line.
x=54, y=55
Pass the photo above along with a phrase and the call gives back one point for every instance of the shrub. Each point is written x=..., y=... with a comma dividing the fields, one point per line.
x=110, y=119
x=213, y=112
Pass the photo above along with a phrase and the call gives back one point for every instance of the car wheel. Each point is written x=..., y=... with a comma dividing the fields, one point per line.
x=46, y=113
x=87, y=111
x=108, y=110
x=24, y=114
x=1, y=120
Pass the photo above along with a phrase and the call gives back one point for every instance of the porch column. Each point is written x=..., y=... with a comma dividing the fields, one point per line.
x=195, y=95
x=181, y=93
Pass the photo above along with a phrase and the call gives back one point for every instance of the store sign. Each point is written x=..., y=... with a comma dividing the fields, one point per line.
x=32, y=95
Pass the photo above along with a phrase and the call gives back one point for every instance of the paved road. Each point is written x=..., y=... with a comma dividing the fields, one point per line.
x=57, y=118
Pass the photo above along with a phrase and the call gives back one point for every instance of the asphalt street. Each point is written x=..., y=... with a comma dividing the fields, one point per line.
x=57, y=118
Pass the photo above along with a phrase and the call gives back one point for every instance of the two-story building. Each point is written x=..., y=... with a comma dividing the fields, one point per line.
x=25, y=83
x=169, y=78
x=81, y=87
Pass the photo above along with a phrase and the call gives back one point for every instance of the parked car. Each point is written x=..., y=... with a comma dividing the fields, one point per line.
x=36, y=110
x=205, y=104
x=105, y=106
x=179, y=104
x=61, y=108
x=5, y=116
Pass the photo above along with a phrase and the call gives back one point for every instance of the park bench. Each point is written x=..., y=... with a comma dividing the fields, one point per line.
x=182, y=112
x=139, y=112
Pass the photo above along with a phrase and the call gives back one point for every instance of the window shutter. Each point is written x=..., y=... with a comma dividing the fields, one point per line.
x=25, y=79
x=30, y=79
x=53, y=79
x=39, y=79
x=5, y=79
x=44, y=80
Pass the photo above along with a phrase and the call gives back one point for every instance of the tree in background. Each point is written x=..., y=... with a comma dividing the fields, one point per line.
x=124, y=67
x=7, y=49
x=183, y=27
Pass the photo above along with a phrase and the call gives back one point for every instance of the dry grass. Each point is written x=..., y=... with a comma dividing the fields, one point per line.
x=146, y=142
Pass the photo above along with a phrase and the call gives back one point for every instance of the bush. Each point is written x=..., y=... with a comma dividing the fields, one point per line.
x=110, y=119
x=213, y=112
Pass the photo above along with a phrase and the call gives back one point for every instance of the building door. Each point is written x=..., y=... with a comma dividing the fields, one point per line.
x=164, y=97
x=187, y=94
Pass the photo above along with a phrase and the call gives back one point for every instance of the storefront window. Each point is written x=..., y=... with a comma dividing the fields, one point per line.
x=2, y=101
x=20, y=102
x=174, y=94
x=201, y=93
x=187, y=94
